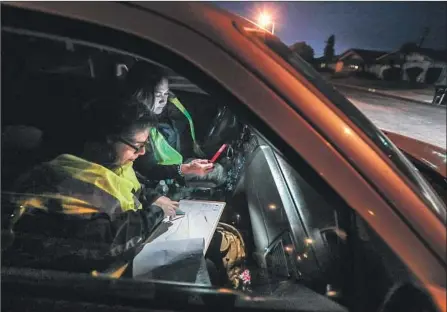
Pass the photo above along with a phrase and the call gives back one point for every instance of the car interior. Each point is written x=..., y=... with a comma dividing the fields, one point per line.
x=296, y=237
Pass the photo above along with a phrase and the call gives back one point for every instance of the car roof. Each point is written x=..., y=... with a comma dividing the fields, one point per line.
x=205, y=18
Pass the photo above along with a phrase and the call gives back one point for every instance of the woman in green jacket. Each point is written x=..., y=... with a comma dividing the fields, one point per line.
x=174, y=149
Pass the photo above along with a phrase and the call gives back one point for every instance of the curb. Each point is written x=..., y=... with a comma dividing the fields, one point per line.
x=402, y=98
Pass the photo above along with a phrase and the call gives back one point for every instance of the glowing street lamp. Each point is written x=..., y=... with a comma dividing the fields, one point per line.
x=264, y=20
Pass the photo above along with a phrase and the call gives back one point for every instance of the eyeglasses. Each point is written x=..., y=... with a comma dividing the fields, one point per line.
x=138, y=149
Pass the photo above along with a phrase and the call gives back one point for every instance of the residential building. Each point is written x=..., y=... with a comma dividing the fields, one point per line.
x=357, y=60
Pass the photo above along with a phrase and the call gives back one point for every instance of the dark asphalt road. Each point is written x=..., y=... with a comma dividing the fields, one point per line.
x=423, y=122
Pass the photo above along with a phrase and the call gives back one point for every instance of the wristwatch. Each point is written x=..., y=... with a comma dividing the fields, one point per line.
x=179, y=170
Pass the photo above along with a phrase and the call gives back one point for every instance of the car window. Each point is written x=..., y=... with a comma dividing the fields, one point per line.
x=293, y=232
x=420, y=185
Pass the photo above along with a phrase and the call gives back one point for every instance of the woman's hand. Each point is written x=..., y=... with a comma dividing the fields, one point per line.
x=169, y=206
x=198, y=167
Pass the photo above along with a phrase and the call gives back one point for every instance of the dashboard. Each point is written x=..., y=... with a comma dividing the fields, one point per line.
x=292, y=224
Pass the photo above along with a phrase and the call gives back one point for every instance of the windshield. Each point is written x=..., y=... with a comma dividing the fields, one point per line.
x=418, y=183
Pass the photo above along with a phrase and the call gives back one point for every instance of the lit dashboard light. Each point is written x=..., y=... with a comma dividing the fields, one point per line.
x=288, y=249
x=272, y=206
x=309, y=241
x=332, y=293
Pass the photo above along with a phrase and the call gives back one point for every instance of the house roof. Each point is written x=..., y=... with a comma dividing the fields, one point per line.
x=323, y=58
x=366, y=55
x=390, y=54
x=437, y=55
x=372, y=56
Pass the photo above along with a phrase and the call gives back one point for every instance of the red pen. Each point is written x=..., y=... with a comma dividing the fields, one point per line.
x=221, y=149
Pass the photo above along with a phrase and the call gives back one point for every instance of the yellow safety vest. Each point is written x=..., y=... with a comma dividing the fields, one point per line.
x=85, y=187
x=182, y=108
x=82, y=188
x=165, y=154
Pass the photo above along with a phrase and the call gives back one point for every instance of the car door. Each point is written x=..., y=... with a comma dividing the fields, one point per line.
x=278, y=103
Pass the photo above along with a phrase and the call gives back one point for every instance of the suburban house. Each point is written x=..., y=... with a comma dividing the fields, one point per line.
x=421, y=65
x=357, y=60
x=387, y=63
x=425, y=66
x=322, y=64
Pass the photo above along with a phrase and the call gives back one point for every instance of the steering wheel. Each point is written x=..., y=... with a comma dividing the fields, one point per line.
x=223, y=129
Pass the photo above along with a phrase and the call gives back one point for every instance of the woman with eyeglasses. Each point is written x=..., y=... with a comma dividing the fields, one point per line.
x=88, y=212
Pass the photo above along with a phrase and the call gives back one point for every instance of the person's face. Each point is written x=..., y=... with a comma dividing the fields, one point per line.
x=129, y=150
x=160, y=96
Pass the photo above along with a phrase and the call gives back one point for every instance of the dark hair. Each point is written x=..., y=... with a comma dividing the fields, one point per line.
x=111, y=117
x=115, y=115
x=141, y=81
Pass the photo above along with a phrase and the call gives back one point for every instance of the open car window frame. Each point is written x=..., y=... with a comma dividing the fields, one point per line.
x=268, y=129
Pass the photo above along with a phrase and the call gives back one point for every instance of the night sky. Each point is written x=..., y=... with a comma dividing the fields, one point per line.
x=365, y=25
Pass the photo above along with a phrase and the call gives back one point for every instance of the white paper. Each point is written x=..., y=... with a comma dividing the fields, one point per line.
x=179, y=245
x=200, y=221
x=163, y=253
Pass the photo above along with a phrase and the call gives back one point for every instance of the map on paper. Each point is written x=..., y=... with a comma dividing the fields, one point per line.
x=200, y=221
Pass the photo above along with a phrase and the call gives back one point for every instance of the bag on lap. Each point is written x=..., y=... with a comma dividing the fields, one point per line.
x=233, y=253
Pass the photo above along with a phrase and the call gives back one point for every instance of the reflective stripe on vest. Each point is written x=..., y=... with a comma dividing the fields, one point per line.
x=182, y=108
x=122, y=183
x=82, y=187
x=164, y=153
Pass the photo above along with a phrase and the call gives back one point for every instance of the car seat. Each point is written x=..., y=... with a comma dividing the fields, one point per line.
x=21, y=146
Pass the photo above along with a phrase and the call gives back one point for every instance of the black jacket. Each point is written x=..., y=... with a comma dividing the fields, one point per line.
x=175, y=128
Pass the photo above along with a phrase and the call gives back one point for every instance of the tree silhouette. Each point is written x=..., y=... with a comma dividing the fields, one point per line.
x=304, y=50
x=424, y=35
x=406, y=49
x=329, y=50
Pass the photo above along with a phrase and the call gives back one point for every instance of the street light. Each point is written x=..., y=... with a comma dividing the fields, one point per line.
x=264, y=20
